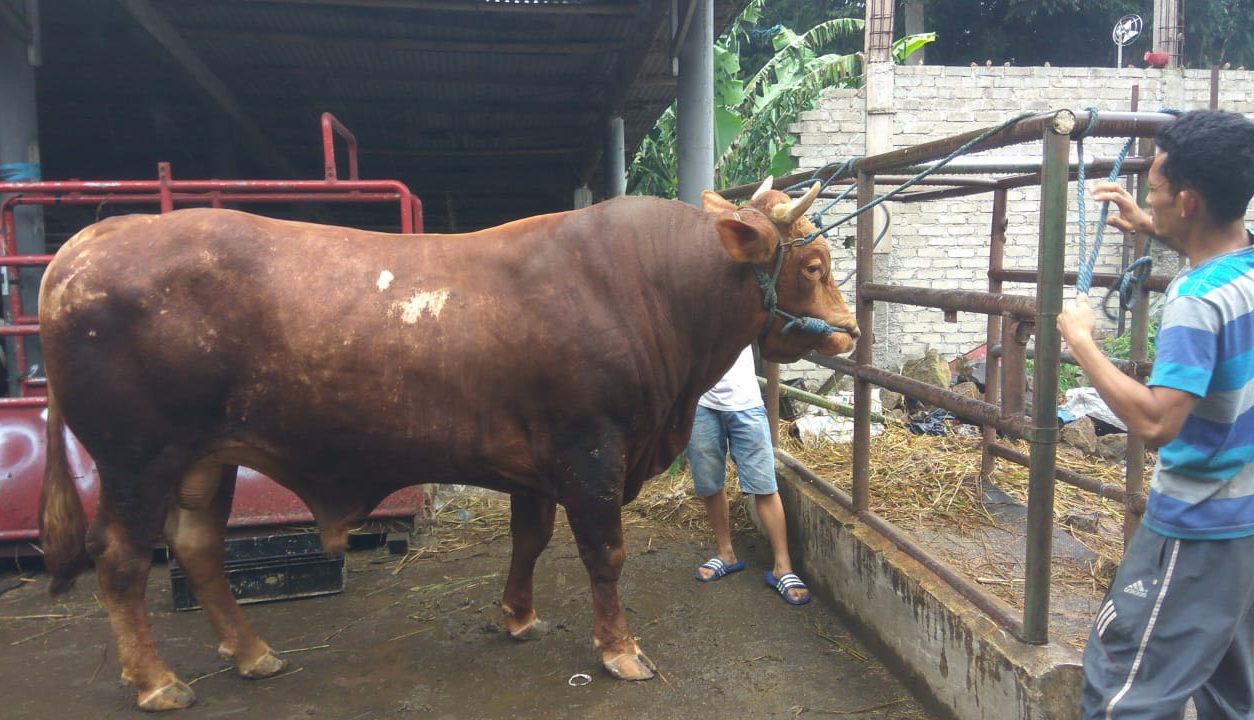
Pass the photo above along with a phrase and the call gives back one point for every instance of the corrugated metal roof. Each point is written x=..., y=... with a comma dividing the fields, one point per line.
x=495, y=108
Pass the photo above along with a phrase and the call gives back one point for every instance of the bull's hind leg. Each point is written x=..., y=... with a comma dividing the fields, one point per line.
x=121, y=542
x=531, y=525
x=195, y=529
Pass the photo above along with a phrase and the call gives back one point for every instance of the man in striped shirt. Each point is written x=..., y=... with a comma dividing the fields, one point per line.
x=1178, y=620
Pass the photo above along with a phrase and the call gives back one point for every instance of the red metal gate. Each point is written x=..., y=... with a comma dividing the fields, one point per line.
x=259, y=501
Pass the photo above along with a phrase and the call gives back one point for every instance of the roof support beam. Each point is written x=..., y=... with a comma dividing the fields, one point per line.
x=575, y=47
x=169, y=38
x=469, y=6
x=651, y=16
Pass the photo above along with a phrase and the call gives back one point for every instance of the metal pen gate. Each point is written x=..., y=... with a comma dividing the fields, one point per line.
x=258, y=500
x=1012, y=319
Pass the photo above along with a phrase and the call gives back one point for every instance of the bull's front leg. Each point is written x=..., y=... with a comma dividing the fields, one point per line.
x=596, y=521
x=531, y=525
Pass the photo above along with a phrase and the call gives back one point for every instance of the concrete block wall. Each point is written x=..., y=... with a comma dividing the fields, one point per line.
x=944, y=244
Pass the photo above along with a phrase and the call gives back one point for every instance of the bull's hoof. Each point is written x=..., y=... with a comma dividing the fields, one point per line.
x=268, y=665
x=630, y=666
x=175, y=696
x=533, y=630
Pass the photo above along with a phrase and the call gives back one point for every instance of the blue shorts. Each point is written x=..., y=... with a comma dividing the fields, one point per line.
x=748, y=433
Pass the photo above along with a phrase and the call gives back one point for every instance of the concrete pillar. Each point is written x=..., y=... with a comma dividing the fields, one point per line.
x=879, y=91
x=583, y=197
x=19, y=144
x=695, y=105
x=615, y=159
x=1169, y=30
x=914, y=26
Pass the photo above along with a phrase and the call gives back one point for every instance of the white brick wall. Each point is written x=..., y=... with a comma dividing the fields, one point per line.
x=943, y=244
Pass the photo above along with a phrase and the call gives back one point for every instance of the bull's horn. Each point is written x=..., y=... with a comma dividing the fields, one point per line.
x=787, y=213
x=766, y=185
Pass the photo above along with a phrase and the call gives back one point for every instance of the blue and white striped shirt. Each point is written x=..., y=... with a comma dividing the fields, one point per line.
x=1203, y=486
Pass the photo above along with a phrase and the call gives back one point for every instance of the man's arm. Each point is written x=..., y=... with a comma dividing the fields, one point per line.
x=1154, y=414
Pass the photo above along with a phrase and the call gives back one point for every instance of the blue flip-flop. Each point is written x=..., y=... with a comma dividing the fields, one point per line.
x=783, y=584
x=720, y=569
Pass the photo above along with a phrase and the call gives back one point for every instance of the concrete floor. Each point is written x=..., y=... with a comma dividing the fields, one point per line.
x=427, y=642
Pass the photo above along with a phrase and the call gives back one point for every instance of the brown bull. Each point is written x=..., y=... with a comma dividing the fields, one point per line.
x=558, y=359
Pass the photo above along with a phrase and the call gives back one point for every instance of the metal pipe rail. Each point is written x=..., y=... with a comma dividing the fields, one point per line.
x=986, y=603
x=969, y=409
x=1068, y=122
x=974, y=411
x=1154, y=283
x=1019, y=306
x=1011, y=318
x=166, y=192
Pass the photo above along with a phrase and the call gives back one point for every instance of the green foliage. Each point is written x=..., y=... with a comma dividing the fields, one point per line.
x=753, y=110
x=1218, y=31
x=1077, y=32
x=1069, y=376
x=1121, y=347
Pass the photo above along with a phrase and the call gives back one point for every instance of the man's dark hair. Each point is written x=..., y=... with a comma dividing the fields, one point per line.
x=1212, y=152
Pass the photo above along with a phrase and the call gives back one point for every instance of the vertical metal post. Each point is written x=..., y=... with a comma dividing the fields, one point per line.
x=1214, y=87
x=865, y=314
x=1014, y=357
x=163, y=180
x=615, y=159
x=1135, y=246
x=1128, y=237
x=1043, y=430
x=992, y=386
x=19, y=144
x=1134, y=476
x=695, y=105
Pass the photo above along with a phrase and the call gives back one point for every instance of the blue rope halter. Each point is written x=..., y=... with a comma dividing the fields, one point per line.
x=770, y=298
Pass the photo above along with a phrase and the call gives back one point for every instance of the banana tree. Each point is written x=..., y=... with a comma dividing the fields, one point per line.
x=751, y=116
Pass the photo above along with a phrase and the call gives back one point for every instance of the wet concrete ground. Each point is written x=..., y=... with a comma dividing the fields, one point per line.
x=427, y=642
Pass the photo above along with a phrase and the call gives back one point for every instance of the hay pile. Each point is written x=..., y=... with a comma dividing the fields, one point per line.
x=926, y=482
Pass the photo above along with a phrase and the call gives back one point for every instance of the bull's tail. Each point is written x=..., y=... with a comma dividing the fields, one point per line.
x=62, y=521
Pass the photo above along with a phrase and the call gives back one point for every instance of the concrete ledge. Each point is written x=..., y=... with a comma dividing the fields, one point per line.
x=955, y=658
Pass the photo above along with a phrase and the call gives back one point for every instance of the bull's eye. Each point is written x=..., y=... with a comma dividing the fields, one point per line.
x=814, y=271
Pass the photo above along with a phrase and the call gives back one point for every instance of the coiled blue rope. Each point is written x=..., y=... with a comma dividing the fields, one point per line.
x=1088, y=259
x=1138, y=271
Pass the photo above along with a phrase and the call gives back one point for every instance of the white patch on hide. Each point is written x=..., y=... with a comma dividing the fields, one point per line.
x=385, y=280
x=428, y=302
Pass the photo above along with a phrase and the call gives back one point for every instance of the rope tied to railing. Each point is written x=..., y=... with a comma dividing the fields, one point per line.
x=1088, y=259
x=849, y=164
x=1138, y=271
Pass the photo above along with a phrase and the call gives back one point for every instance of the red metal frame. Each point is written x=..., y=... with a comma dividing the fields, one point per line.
x=258, y=500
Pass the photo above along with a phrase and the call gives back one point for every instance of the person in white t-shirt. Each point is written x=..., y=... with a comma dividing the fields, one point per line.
x=731, y=416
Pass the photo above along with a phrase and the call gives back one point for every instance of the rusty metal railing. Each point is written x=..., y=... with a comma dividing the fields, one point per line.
x=1012, y=320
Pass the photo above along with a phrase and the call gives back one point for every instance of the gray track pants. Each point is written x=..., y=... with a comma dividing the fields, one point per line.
x=1176, y=623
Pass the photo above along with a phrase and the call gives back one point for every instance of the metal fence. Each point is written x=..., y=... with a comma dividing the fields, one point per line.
x=1012, y=321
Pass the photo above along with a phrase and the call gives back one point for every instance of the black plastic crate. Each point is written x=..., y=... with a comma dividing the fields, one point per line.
x=273, y=567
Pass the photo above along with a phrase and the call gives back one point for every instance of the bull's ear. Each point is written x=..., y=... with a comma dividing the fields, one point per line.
x=713, y=202
x=743, y=242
